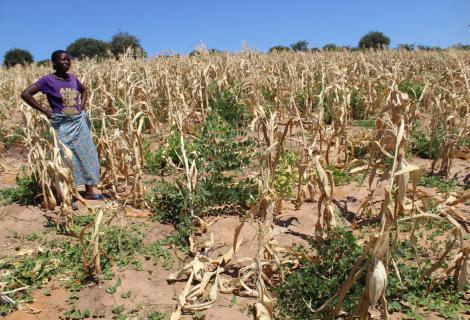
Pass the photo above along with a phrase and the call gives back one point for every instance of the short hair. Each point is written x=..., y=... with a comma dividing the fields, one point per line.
x=55, y=55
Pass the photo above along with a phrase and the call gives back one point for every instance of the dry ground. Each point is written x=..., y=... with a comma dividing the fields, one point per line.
x=149, y=288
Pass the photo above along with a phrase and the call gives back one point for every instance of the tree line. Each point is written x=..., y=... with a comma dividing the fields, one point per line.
x=121, y=41
x=83, y=48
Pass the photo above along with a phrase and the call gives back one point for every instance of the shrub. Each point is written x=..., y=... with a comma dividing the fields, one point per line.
x=158, y=161
x=221, y=151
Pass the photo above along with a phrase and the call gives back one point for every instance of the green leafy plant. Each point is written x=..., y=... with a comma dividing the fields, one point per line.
x=340, y=177
x=286, y=175
x=316, y=281
x=158, y=161
x=158, y=251
x=118, y=309
x=221, y=151
x=26, y=191
x=199, y=316
x=364, y=123
x=358, y=105
x=411, y=296
x=424, y=145
x=414, y=90
x=156, y=315
x=442, y=184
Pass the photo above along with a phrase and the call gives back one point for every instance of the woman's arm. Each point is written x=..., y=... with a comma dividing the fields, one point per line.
x=83, y=95
x=27, y=96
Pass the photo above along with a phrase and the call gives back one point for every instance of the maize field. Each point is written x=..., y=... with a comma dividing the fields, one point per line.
x=289, y=185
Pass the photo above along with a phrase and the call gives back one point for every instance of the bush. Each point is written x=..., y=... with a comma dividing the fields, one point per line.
x=221, y=152
x=317, y=281
x=87, y=48
x=17, y=56
x=374, y=40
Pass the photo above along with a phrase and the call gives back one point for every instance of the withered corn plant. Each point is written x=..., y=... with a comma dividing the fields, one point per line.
x=302, y=101
x=388, y=157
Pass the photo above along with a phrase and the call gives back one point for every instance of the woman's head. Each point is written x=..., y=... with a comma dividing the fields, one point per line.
x=60, y=61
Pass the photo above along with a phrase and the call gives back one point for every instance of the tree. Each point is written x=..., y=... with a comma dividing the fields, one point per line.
x=406, y=46
x=330, y=47
x=375, y=40
x=17, y=56
x=279, y=48
x=199, y=51
x=428, y=48
x=43, y=62
x=301, y=45
x=461, y=46
x=121, y=41
x=88, y=48
x=215, y=51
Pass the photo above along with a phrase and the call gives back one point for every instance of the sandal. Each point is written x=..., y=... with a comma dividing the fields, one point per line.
x=95, y=197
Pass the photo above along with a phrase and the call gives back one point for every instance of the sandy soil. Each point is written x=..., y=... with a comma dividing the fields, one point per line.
x=148, y=288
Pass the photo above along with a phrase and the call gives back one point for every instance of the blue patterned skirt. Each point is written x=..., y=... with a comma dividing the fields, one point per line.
x=74, y=132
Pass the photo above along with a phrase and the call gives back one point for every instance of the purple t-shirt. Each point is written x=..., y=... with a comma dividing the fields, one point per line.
x=63, y=95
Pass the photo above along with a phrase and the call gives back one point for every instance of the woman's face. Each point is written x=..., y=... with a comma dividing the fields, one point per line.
x=62, y=63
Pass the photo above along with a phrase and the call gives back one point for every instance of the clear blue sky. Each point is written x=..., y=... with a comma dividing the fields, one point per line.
x=43, y=26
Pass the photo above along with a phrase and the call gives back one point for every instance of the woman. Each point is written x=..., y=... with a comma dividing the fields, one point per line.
x=67, y=99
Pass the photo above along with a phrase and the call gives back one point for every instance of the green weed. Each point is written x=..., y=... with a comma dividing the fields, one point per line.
x=442, y=184
x=318, y=281
x=414, y=90
x=426, y=145
x=340, y=176
x=364, y=123
x=26, y=192
x=358, y=105
x=286, y=173
x=156, y=315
